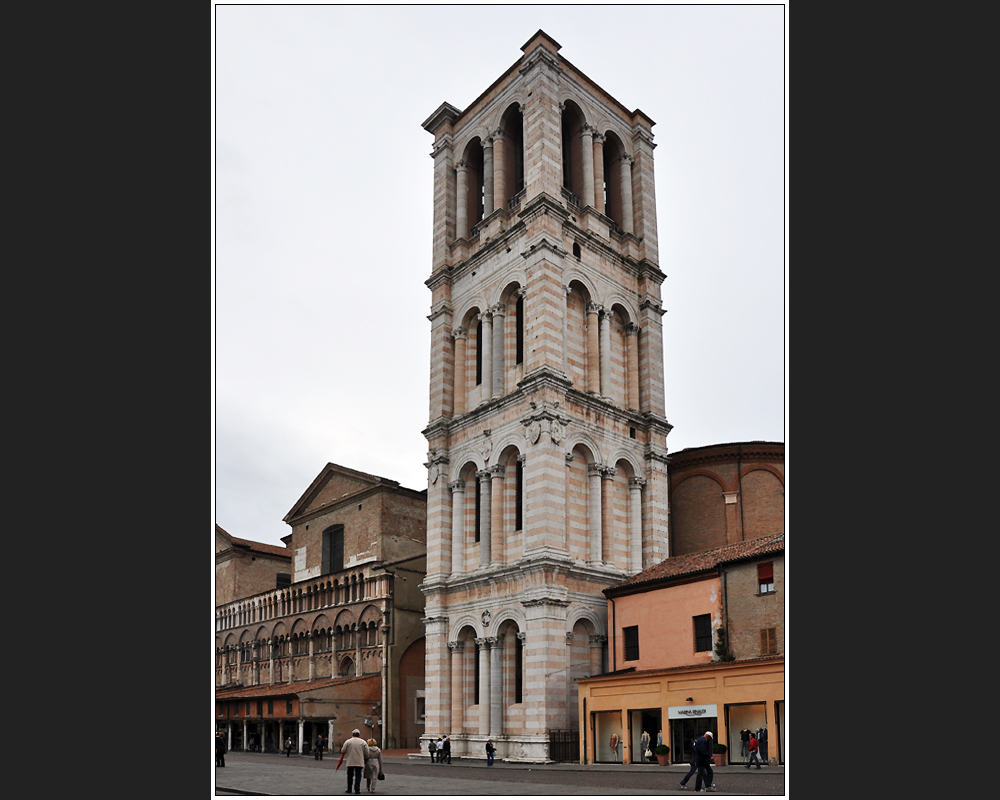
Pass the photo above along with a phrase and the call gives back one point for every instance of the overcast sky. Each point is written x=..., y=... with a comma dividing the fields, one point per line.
x=323, y=209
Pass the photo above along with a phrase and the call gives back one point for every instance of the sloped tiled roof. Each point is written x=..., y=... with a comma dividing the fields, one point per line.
x=259, y=547
x=277, y=689
x=705, y=561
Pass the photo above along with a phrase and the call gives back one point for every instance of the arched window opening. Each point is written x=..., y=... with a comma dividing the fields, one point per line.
x=576, y=250
x=572, y=152
x=613, y=152
x=478, y=505
x=512, y=158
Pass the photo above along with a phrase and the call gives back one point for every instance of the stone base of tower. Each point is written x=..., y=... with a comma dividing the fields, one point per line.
x=521, y=748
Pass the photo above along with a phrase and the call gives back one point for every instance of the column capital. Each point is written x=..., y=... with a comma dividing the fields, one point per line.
x=457, y=486
x=457, y=646
x=497, y=470
x=594, y=308
x=597, y=639
x=631, y=329
x=485, y=475
x=459, y=333
x=636, y=483
x=595, y=469
x=461, y=166
x=608, y=473
x=498, y=310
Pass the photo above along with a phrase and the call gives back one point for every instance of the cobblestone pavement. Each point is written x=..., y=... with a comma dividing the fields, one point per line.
x=275, y=774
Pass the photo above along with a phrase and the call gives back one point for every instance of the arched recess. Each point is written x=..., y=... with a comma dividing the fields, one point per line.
x=581, y=664
x=697, y=513
x=620, y=358
x=344, y=629
x=614, y=150
x=469, y=360
x=368, y=626
x=508, y=156
x=507, y=544
x=512, y=672
x=473, y=159
x=578, y=340
x=573, y=121
x=762, y=499
x=512, y=336
x=465, y=678
x=578, y=502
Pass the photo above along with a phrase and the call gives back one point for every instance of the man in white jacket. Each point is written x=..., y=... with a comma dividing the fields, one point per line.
x=355, y=751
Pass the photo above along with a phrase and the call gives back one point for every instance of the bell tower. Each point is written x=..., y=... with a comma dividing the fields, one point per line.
x=547, y=457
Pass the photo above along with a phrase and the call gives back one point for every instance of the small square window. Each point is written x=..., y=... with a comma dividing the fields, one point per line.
x=631, y=639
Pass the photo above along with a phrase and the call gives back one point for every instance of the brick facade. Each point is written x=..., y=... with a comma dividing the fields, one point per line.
x=726, y=493
x=351, y=613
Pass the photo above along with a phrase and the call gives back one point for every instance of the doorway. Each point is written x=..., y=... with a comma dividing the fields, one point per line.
x=642, y=720
x=684, y=732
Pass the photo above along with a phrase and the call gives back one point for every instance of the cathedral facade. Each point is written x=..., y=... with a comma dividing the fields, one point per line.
x=547, y=458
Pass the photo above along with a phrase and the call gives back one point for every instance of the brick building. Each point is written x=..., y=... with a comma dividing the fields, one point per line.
x=726, y=493
x=547, y=431
x=329, y=635
x=696, y=643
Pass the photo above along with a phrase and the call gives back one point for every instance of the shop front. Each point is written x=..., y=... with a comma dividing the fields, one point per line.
x=727, y=698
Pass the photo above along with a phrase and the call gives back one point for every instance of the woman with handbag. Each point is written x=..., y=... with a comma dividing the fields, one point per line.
x=647, y=754
x=373, y=766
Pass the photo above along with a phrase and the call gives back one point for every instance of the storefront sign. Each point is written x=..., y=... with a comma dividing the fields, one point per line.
x=692, y=712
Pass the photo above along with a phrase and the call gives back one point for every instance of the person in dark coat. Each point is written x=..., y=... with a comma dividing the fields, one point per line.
x=220, y=749
x=694, y=766
x=446, y=752
x=318, y=754
x=432, y=748
x=703, y=751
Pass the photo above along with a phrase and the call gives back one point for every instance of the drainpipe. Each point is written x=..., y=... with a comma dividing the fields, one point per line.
x=739, y=478
x=614, y=646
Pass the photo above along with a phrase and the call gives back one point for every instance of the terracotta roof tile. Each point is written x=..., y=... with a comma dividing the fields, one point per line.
x=259, y=547
x=705, y=561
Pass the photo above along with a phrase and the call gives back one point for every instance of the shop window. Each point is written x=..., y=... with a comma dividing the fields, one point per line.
x=769, y=641
x=702, y=633
x=631, y=637
x=765, y=577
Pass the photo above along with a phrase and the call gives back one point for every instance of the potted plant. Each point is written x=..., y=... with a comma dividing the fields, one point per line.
x=662, y=753
x=718, y=753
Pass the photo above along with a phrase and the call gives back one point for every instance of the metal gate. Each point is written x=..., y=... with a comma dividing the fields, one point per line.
x=564, y=746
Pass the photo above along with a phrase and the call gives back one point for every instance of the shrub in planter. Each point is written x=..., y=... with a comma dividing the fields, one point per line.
x=719, y=753
x=662, y=753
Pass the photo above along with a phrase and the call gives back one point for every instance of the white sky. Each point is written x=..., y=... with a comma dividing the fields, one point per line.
x=323, y=207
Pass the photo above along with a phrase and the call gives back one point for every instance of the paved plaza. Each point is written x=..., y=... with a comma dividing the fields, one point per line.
x=276, y=774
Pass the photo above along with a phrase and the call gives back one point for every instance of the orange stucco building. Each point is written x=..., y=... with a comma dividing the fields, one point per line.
x=696, y=643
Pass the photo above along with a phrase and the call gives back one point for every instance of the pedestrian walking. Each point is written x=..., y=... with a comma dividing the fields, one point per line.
x=220, y=749
x=318, y=755
x=373, y=766
x=354, y=751
x=754, y=751
x=490, y=752
x=703, y=751
x=693, y=764
x=447, y=748
x=432, y=748
x=288, y=746
x=440, y=749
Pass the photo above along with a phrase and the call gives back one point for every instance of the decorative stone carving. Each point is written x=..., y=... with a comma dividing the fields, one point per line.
x=486, y=617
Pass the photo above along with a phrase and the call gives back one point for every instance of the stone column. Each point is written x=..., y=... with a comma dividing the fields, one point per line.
x=626, y=173
x=599, y=172
x=499, y=340
x=460, y=371
x=565, y=331
x=458, y=538
x=357, y=651
x=606, y=353
x=635, y=521
x=608, y=515
x=593, y=349
x=302, y=724
x=499, y=171
x=597, y=653
x=329, y=736
x=270, y=662
x=632, y=364
x=487, y=366
x=462, y=202
x=484, y=686
x=497, y=532
x=594, y=511
x=587, y=150
x=485, y=516
x=245, y=741
x=457, y=693
x=496, y=687
x=487, y=177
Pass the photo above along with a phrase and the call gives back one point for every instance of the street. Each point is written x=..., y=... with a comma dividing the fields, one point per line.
x=276, y=774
